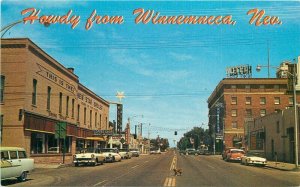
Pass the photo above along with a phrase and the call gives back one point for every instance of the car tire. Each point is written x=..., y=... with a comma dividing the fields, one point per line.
x=246, y=163
x=23, y=176
x=76, y=164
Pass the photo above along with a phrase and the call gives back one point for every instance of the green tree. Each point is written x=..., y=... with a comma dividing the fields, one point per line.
x=200, y=136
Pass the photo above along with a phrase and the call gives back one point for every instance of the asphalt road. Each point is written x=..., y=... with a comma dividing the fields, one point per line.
x=156, y=170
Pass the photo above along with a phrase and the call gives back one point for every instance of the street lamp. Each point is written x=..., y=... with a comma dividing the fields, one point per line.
x=294, y=75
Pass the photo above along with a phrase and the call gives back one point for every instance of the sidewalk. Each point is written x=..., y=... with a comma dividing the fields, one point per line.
x=282, y=166
x=51, y=166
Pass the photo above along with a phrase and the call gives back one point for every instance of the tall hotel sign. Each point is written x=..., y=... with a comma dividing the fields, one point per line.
x=241, y=71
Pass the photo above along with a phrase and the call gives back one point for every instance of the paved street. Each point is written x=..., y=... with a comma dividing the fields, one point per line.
x=155, y=170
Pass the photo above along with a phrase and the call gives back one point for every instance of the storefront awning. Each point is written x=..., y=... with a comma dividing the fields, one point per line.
x=95, y=138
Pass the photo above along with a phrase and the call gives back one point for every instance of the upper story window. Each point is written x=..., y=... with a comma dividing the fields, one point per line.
x=34, y=82
x=277, y=100
x=78, y=112
x=60, y=102
x=247, y=87
x=73, y=105
x=233, y=86
x=100, y=119
x=261, y=86
x=67, y=106
x=234, y=125
x=263, y=112
x=276, y=87
x=95, y=119
x=234, y=112
x=248, y=100
x=48, y=97
x=91, y=118
x=233, y=100
x=84, y=116
x=2, y=88
x=262, y=101
x=248, y=112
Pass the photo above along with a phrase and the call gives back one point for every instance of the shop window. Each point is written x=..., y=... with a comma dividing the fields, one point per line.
x=262, y=100
x=34, y=91
x=37, y=143
x=263, y=112
x=60, y=102
x=2, y=89
x=48, y=97
x=248, y=100
x=67, y=106
x=234, y=112
x=233, y=100
x=73, y=105
x=53, y=146
x=291, y=101
x=276, y=100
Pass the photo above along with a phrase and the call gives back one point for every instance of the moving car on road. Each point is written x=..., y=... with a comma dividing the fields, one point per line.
x=135, y=152
x=253, y=158
x=14, y=163
x=234, y=155
x=91, y=156
x=155, y=151
x=191, y=151
x=111, y=154
x=125, y=154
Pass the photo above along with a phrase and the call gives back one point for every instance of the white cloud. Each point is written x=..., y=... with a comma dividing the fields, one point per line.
x=181, y=57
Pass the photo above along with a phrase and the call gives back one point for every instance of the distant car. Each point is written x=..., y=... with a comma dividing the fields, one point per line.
x=182, y=152
x=125, y=154
x=155, y=152
x=190, y=151
x=111, y=154
x=87, y=156
x=14, y=163
x=253, y=158
x=203, y=151
x=135, y=152
x=53, y=150
x=234, y=155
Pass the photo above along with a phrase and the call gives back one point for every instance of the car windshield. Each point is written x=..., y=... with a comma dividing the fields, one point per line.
x=87, y=150
x=237, y=151
x=123, y=150
x=109, y=150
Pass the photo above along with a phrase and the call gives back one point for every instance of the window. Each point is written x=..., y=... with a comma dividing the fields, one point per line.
x=37, y=143
x=263, y=112
x=234, y=125
x=2, y=88
x=277, y=100
x=22, y=154
x=233, y=86
x=106, y=122
x=13, y=154
x=4, y=155
x=277, y=127
x=100, y=119
x=48, y=97
x=78, y=112
x=233, y=100
x=262, y=100
x=84, y=116
x=73, y=104
x=60, y=102
x=91, y=118
x=248, y=112
x=34, y=92
x=53, y=146
x=95, y=119
x=291, y=101
x=247, y=87
x=67, y=106
x=248, y=100
x=261, y=86
x=276, y=87
x=234, y=112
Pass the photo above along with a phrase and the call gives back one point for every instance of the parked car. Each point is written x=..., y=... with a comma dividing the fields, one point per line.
x=135, y=152
x=125, y=154
x=182, y=152
x=226, y=151
x=14, y=163
x=203, y=151
x=155, y=151
x=53, y=150
x=253, y=158
x=234, y=155
x=190, y=151
x=91, y=156
x=111, y=154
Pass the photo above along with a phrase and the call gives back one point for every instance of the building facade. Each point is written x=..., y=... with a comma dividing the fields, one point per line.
x=274, y=135
x=37, y=93
x=235, y=101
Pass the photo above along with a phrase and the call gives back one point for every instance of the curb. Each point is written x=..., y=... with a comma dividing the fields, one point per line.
x=283, y=169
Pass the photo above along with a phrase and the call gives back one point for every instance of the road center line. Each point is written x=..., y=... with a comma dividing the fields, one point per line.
x=100, y=183
x=211, y=167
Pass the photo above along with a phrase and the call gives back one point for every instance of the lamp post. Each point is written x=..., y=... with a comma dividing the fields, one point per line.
x=294, y=75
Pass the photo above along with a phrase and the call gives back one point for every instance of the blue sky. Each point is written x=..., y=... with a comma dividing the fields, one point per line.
x=166, y=71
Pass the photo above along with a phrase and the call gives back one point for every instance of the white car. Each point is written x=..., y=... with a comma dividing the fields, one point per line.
x=111, y=154
x=134, y=152
x=14, y=163
x=253, y=159
x=125, y=154
x=89, y=156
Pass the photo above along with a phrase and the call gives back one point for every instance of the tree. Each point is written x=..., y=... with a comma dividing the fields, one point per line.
x=198, y=134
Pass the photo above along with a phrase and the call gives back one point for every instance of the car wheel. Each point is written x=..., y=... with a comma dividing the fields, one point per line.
x=76, y=164
x=23, y=176
x=246, y=163
x=102, y=162
x=196, y=154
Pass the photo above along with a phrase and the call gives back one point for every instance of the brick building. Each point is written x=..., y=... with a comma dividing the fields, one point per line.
x=36, y=93
x=238, y=100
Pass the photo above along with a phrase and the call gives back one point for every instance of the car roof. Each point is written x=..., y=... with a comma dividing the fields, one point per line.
x=12, y=149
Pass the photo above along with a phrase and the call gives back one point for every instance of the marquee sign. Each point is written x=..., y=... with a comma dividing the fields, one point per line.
x=242, y=71
x=103, y=132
